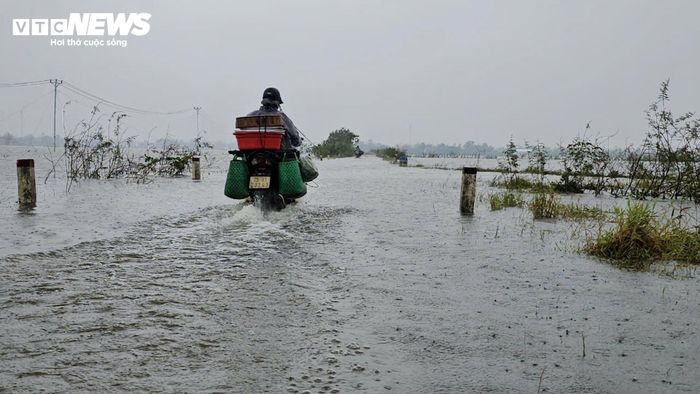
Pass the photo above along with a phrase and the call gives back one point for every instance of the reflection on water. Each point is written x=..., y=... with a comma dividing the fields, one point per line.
x=371, y=282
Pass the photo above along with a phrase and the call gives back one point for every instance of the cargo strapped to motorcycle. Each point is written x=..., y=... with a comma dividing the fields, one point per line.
x=259, y=132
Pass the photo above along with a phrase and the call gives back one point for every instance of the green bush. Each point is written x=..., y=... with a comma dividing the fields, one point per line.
x=340, y=143
x=391, y=154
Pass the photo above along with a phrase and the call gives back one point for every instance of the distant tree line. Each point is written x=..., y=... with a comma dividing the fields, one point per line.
x=468, y=149
x=29, y=140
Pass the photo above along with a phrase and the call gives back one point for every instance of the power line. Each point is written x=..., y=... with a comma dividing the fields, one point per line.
x=68, y=89
x=89, y=95
x=84, y=93
x=22, y=84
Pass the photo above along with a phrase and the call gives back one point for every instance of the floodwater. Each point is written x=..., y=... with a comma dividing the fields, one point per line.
x=372, y=282
x=457, y=163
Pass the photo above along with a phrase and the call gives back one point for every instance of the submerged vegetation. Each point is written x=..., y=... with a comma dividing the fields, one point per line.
x=98, y=148
x=585, y=167
x=666, y=165
x=508, y=164
x=548, y=206
x=505, y=200
x=638, y=238
x=544, y=206
x=521, y=183
x=171, y=159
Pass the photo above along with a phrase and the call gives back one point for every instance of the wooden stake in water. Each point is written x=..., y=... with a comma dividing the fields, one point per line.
x=26, y=183
x=466, y=202
x=196, y=173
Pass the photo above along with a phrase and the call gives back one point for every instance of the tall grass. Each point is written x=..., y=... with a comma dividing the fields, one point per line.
x=638, y=239
x=547, y=206
x=544, y=206
x=635, y=239
x=505, y=200
x=683, y=244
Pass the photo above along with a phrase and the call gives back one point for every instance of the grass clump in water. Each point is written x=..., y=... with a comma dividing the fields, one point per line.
x=515, y=182
x=638, y=239
x=683, y=245
x=544, y=206
x=547, y=206
x=505, y=200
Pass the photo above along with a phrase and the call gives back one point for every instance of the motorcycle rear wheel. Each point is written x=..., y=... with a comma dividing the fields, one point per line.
x=268, y=200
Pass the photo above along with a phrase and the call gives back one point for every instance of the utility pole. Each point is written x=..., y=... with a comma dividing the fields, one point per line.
x=197, y=109
x=55, y=83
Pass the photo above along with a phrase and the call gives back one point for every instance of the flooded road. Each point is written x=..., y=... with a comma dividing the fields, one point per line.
x=371, y=282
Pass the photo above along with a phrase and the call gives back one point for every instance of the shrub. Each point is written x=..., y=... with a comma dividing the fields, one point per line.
x=581, y=159
x=668, y=163
x=509, y=163
x=391, y=154
x=96, y=149
x=537, y=160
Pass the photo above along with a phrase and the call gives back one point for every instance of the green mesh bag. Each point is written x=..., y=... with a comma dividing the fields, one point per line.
x=237, y=179
x=308, y=169
x=291, y=185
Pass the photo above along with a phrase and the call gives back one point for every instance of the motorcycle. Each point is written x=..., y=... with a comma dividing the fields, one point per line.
x=358, y=152
x=260, y=171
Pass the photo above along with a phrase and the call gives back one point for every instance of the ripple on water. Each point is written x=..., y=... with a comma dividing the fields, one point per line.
x=208, y=292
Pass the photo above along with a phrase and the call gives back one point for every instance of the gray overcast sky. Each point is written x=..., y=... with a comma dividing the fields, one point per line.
x=395, y=71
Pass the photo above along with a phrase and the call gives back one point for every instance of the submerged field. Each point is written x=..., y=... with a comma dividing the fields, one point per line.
x=372, y=282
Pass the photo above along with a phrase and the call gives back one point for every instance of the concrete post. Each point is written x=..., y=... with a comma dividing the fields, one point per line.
x=466, y=202
x=196, y=173
x=26, y=183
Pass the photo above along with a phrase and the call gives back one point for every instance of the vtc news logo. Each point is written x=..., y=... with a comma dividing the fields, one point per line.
x=85, y=24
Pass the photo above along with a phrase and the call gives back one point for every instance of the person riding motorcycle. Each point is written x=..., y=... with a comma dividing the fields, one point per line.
x=271, y=101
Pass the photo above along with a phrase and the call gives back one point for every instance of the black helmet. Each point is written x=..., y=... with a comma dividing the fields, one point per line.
x=271, y=96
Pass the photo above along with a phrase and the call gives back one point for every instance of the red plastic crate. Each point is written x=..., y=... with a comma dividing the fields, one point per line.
x=248, y=140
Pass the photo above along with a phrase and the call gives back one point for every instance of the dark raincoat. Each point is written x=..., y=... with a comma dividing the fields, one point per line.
x=291, y=138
